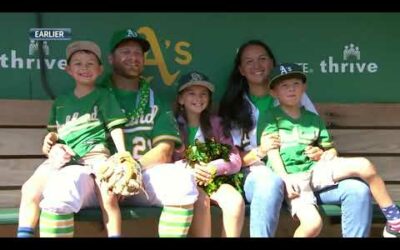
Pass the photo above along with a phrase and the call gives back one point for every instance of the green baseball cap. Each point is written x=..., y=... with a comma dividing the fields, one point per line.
x=194, y=78
x=284, y=71
x=128, y=34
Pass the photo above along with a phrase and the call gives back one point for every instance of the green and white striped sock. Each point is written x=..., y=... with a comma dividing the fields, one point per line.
x=56, y=225
x=175, y=222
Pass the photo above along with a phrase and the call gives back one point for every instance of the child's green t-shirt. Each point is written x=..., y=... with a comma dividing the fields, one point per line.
x=82, y=123
x=295, y=135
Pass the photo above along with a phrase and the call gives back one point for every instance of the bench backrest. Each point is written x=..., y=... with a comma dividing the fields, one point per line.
x=370, y=130
x=22, y=129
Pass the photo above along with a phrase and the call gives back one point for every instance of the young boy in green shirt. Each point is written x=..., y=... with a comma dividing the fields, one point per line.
x=79, y=122
x=298, y=129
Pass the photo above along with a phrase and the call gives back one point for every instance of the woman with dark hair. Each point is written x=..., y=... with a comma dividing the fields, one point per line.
x=242, y=106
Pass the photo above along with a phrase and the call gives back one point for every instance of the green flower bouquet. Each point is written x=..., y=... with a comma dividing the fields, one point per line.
x=205, y=152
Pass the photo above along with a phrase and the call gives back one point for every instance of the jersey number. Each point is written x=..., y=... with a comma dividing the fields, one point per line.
x=141, y=146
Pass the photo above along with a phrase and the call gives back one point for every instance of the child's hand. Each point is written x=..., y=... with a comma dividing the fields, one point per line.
x=314, y=153
x=60, y=154
x=204, y=174
x=268, y=142
x=292, y=187
x=49, y=140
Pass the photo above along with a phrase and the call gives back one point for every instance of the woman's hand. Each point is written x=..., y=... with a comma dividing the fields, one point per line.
x=314, y=153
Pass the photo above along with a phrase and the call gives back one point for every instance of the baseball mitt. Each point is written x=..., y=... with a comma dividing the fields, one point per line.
x=121, y=174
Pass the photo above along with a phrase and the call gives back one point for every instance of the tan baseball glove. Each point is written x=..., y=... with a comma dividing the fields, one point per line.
x=122, y=174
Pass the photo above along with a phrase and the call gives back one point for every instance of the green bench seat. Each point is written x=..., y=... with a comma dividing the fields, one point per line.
x=9, y=216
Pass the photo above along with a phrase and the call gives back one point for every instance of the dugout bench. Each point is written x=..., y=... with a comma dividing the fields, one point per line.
x=370, y=130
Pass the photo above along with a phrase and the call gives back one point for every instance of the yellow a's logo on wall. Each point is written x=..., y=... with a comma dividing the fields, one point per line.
x=183, y=56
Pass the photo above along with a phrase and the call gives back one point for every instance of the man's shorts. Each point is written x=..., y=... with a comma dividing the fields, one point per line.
x=166, y=185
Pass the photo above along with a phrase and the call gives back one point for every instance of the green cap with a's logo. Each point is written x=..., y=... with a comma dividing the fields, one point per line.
x=128, y=34
x=284, y=71
x=194, y=78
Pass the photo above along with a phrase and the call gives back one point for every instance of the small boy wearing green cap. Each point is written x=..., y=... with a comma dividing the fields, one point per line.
x=299, y=128
x=79, y=122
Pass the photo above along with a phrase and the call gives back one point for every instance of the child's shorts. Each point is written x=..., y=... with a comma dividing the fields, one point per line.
x=93, y=159
x=319, y=177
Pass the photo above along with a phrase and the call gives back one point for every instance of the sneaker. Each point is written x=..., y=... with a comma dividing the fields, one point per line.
x=388, y=232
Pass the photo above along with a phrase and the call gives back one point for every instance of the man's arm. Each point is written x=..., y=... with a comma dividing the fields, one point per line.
x=162, y=153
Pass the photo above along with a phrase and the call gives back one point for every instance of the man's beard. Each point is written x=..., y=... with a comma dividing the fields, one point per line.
x=126, y=74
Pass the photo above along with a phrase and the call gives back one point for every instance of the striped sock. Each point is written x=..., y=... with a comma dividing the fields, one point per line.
x=56, y=225
x=175, y=222
x=25, y=232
